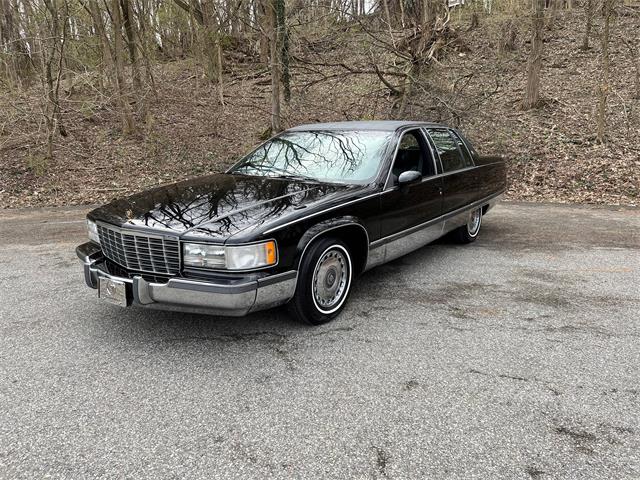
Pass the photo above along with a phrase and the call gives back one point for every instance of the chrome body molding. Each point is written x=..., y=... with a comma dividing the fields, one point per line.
x=229, y=299
x=394, y=246
x=412, y=241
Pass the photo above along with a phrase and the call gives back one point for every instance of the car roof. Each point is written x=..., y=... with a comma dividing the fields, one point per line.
x=378, y=125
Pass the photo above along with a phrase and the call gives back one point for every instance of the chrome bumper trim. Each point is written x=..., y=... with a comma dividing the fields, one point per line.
x=180, y=294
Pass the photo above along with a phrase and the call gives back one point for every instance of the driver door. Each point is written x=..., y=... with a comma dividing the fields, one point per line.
x=408, y=206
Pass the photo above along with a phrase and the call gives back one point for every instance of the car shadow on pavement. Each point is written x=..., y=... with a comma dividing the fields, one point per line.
x=159, y=325
x=171, y=324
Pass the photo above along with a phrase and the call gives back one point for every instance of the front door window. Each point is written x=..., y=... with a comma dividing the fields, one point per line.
x=412, y=154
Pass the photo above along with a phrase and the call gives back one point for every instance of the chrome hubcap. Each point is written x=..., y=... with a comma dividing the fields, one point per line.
x=330, y=279
x=473, y=225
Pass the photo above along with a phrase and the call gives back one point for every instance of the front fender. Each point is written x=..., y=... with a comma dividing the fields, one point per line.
x=324, y=227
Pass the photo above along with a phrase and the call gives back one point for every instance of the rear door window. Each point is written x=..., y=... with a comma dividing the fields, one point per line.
x=468, y=143
x=468, y=159
x=450, y=149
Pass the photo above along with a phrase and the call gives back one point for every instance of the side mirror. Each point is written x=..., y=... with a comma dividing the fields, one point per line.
x=410, y=176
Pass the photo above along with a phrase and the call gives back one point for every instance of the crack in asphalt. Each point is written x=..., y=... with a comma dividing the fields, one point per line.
x=382, y=460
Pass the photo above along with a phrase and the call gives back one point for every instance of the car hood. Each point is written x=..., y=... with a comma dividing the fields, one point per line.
x=215, y=206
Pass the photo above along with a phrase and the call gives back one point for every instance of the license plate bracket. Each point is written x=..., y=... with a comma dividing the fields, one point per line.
x=112, y=291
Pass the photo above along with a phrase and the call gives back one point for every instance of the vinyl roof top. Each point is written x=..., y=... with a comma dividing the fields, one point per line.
x=379, y=125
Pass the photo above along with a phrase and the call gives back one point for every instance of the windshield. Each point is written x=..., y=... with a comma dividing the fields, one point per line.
x=327, y=156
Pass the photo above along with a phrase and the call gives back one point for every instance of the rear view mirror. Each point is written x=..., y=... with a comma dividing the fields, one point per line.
x=410, y=176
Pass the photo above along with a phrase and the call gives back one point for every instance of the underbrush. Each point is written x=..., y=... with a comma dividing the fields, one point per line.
x=184, y=131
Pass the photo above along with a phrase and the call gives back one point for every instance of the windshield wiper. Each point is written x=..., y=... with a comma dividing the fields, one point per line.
x=280, y=173
x=297, y=177
x=283, y=173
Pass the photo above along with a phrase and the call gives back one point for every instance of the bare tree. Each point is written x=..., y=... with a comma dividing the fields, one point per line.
x=128, y=125
x=282, y=35
x=534, y=65
x=552, y=13
x=275, y=67
x=53, y=42
x=206, y=13
x=212, y=46
x=507, y=41
x=12, y=49
x=632, y=49
x=588, y=7
x=603, y=88
x=131, y=30
x=261, y=13
x=107, y=67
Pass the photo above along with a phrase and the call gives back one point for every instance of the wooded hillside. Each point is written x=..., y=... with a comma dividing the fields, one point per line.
x=102, y=98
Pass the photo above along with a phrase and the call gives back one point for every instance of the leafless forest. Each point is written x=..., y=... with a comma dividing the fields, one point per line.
x=99, y=98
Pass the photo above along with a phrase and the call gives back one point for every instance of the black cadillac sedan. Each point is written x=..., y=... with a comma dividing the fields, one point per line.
x=293, y=222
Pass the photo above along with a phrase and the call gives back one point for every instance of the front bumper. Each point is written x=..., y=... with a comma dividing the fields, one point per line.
x=232, y=298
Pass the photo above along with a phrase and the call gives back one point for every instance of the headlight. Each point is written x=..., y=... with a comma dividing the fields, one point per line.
x=207, y=256
x=257, y=255
x=240, y=257
x=92, y=231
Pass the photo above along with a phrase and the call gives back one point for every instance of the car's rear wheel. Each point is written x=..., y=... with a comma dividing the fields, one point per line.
x=324, y=282
x=469, y=232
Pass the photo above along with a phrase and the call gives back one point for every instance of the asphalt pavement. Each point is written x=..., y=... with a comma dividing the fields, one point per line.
x=515, y=357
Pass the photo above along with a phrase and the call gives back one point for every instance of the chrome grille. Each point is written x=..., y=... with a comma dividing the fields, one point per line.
x=140, y=252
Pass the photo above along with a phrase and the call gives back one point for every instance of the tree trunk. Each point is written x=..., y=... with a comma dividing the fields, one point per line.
x=475, y=20
x=130, y=29
x=8, y=37
x=263, y=16
x=220, y=78
x=603, y=90
x=635, y=60
x=589, y=20
x=387, y=13
x=282, y=36
x=212, y=46
x=123, y=99
x=534, y=66
x=107, y=58
x=54, y=34
x=407, y=90
x=553, y=4
x=16, y=58
x=143, y=42
x=275, y=69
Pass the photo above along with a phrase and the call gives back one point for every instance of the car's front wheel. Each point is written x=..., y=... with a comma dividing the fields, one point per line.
x=469, y=232
x=324, y=282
